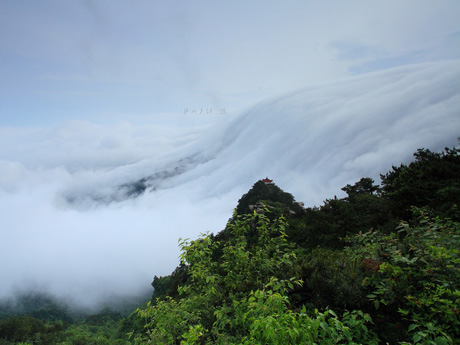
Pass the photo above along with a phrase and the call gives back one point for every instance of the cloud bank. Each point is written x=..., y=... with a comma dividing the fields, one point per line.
x=70, y=228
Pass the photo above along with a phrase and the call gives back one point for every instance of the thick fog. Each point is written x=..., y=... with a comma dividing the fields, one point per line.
x=71, y=227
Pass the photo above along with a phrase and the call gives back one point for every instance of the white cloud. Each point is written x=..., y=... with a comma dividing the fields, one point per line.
x=311, y=142
x=104, y=62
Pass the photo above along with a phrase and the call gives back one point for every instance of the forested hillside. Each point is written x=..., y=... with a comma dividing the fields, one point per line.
x=378, y=266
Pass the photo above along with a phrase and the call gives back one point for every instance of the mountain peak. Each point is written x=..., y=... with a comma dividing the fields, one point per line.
x=266, y=192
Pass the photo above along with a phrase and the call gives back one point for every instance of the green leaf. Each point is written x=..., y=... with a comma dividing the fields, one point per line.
x=441, y=341
x=412, y=327
x=417, y=338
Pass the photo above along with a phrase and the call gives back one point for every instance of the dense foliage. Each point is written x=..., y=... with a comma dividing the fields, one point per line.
x=40, y=319
x=243, y=298
x=431, y=180
x=379, y=266
x=417, y=280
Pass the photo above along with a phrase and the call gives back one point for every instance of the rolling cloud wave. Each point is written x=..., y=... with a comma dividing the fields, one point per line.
x=91, y=211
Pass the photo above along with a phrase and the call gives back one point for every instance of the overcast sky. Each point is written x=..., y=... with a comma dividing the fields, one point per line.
x=98, y=94
x=109, y=60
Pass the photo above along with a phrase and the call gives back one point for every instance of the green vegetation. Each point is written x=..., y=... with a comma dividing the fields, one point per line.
x=417, y=280
x=379, y=266
x=243, y=298
x=40, y=319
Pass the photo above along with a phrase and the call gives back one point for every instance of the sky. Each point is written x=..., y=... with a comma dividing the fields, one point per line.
x=201, y=99
x=106, y=61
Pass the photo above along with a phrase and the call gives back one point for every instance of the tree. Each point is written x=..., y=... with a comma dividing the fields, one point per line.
x=243, y=298
x=415, y=277
x=363, y=186
x=431, y=180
